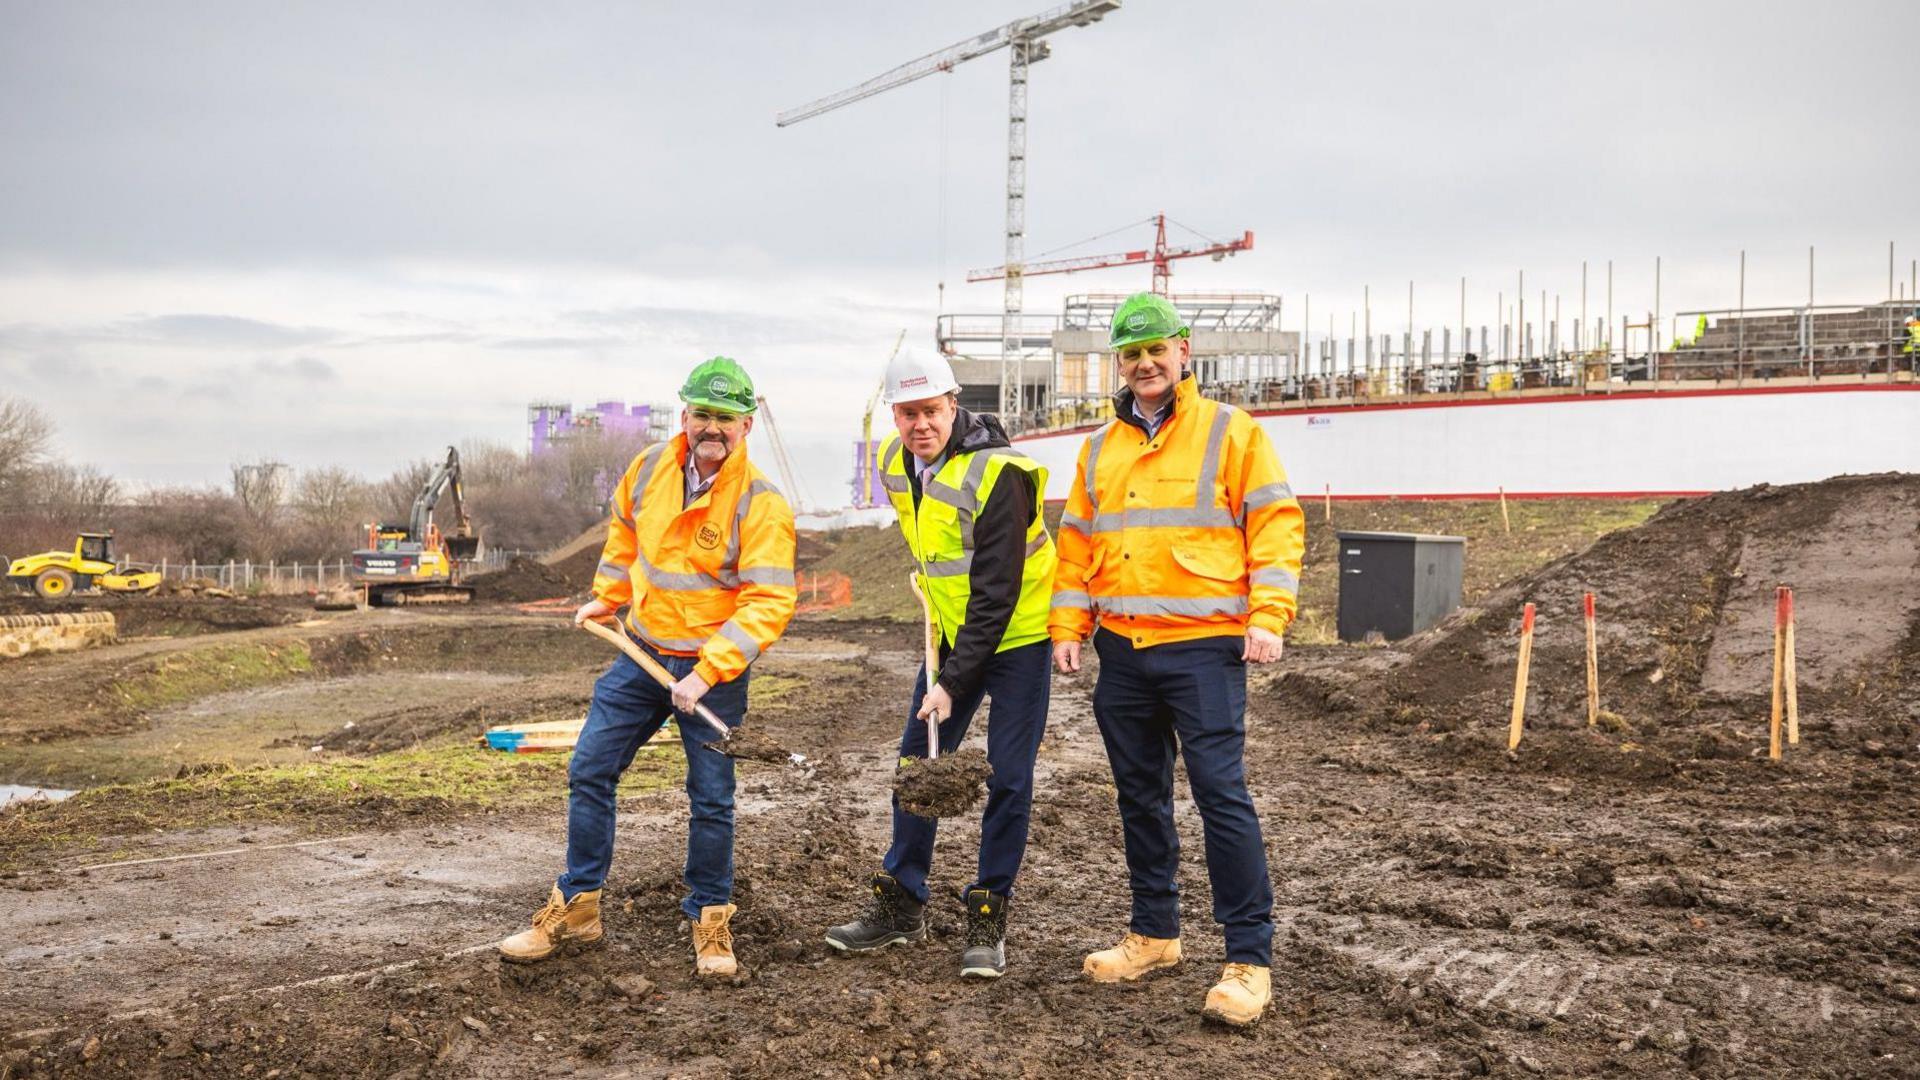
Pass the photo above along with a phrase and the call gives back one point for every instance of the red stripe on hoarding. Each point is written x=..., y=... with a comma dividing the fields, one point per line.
x=1543, y=399
x=1494, y=495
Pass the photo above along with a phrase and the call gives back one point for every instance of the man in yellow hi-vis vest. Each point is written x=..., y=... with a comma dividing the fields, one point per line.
x=969, y=507
x=700, y=550
x=1181, y=541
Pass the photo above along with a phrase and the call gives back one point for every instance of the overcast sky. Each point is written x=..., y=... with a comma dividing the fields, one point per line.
x=349, y=233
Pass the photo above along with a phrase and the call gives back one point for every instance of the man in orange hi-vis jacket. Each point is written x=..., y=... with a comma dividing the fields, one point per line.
x=700, y=551
x=1181, y=541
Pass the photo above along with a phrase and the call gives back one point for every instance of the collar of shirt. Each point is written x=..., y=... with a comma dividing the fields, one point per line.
x=696, y=484
x=1159, y=415
x=928, y=469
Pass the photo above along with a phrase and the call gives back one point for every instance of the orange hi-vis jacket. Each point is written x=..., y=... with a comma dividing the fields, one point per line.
x=1191, y=533
x=712, y=578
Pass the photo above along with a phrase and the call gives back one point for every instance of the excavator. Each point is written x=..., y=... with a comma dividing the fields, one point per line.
x=416, y=563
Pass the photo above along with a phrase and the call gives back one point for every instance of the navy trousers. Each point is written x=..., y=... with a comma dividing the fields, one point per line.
x=1188, y=697
x=1017, y=680
x=628, y=708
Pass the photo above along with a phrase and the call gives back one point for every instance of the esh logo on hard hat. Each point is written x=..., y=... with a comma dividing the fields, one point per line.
x=719, y=385
x=1137, y=321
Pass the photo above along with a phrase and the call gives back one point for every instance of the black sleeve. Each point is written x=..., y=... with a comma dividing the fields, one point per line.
x=999, y=559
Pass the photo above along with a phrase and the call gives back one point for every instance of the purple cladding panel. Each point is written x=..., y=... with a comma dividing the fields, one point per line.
x=876, y=494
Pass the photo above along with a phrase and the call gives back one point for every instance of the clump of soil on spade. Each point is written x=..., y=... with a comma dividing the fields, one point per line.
x=750, y=744
x=944, y=787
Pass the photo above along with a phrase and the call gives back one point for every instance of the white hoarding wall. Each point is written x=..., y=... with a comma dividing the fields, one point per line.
x=1672, y=442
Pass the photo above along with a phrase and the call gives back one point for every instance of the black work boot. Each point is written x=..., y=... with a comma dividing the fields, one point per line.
x=986, y=955
x=893, y=917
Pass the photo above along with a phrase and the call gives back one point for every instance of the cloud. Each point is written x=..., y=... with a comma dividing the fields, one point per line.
x=216, y=332
x=305, y=368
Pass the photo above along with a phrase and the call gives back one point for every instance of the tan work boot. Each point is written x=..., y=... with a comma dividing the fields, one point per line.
x=713, y=941
x=561, y=922
x=1133, y=957
x=1241, y=995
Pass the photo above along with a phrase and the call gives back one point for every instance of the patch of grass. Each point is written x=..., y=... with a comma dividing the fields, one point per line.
x=184, y=676
x=770, y=690
x=380, y=791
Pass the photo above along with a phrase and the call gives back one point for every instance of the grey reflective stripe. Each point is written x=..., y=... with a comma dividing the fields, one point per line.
x=673, y=644
x=1279, y=491
x=732, y=561
x=1210, y=464
x=1197, y=606
x=733, y=632
x=1076, y=523
x=1038, y=544
x=954, y=497
x=1073, y=598
x=649, y=458
x=949, y=567
x=895, y=483
x=889, y=455
x=1274, y=575
x=612, y=570
x=1093, y=463
x=677, y=582
x=767, y=575
x=1212, y=517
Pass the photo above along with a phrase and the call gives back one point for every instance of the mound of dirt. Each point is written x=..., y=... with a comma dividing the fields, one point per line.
x=1685, y=609
x=525, y=580
x=183, y=615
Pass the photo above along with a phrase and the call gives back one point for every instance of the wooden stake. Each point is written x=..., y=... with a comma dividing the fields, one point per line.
x=1505, y=521
x=1593, y=667
x=1326, y=502
x=1779, y=667
x=1792, y=678
x=1520, y=678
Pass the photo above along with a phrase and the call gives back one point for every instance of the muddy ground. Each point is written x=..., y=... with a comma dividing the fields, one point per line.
x=1652, y=898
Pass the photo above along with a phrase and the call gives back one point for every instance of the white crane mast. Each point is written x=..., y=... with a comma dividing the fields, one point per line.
x=1023, y=39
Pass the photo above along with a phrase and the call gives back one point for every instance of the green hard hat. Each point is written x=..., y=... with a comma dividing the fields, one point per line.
x=1145, y=317
x=720, y=383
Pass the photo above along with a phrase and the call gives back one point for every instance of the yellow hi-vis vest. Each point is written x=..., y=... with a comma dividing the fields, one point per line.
x=939, y=533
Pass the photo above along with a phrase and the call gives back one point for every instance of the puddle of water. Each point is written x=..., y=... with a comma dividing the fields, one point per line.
x=22, y=793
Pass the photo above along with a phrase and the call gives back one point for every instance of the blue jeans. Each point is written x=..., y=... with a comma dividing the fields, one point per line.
x=1188, y=697
x=628, y=708
x=1018, y=682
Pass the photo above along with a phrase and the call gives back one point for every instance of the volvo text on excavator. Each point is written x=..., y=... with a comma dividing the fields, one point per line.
x=416, y=563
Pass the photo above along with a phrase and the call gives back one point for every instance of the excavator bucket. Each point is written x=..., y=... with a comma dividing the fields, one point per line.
x=21, y=635
x=463, y=547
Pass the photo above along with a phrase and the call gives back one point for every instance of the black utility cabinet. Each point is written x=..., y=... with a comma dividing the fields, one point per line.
x=1397, y=584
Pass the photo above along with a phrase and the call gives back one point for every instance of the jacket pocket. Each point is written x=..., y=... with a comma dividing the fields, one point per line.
x=1212, y=561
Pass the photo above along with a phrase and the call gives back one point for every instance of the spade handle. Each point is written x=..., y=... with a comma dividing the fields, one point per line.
x=661, y=675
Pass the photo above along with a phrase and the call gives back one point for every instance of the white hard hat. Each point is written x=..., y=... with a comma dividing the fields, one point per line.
x=915, y=375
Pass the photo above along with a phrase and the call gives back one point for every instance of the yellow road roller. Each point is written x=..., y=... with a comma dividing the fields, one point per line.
x=90, y=565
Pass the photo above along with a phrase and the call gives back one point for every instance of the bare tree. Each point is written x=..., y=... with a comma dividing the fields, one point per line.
x=261, y=488
x=330, y=506
x=24, y=434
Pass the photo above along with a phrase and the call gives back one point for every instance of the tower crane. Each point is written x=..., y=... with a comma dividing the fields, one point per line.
x=1024, y=40
x=796, y=494
x=1161, y=256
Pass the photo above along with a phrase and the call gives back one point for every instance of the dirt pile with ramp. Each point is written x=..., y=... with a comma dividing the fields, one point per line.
x=1685, y=630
